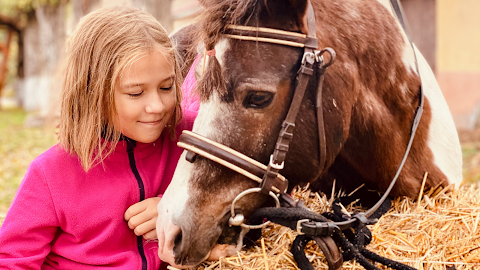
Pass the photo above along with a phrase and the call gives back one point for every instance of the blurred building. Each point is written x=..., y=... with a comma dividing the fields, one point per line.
x=458, y=58
x=184, y=12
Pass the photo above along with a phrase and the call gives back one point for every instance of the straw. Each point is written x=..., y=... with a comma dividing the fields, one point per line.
x=438, y=230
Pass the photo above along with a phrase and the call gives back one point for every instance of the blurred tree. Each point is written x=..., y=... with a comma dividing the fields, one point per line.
x=40, y=25
x=9, y=26
x=83, y=7
x=5, y=53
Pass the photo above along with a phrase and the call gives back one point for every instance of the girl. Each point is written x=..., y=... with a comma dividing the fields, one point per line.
x=90, y=201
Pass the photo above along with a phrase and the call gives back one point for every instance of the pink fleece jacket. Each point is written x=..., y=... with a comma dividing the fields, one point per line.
x=65, y=218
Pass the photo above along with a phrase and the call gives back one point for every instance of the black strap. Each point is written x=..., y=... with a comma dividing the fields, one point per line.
x=325, y=243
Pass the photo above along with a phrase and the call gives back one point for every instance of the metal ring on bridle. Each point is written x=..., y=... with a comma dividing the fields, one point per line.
x=319, y=56
x=246, y=192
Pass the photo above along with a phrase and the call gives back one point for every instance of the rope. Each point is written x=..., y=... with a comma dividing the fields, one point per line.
x=352, y=241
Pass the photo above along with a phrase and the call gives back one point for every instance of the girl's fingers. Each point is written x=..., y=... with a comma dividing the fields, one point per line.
x=143, y=217
x=146, y=227
x=135, y=210
x=150, y=235
x=148, y=206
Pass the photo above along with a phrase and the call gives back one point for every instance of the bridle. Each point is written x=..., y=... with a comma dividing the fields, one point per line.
x=271, y=182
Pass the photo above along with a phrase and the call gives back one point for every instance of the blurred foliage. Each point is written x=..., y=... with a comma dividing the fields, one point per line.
x=19, y=146
x=16, y=7
x=21, y=9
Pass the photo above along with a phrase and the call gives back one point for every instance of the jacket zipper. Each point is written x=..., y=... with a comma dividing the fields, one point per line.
x=131, y=158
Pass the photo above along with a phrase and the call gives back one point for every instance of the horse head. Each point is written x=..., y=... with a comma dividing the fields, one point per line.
x=246, y=87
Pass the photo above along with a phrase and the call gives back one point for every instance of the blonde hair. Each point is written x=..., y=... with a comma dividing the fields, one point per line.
x=103, y=44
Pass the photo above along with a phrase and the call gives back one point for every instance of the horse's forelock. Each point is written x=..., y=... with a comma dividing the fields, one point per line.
x=218, y=14
x=212, y=79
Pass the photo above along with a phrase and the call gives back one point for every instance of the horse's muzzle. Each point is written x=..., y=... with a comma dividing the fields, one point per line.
x=189, y=243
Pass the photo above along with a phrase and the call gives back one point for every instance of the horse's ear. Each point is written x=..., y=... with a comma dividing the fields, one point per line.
x=184, y=40
x=287, y=8
x=199, y=68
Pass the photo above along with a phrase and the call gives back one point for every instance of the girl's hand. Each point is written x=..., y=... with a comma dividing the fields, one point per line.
x=142, y=217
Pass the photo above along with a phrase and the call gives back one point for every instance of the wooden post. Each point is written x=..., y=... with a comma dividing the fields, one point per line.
x=5, y=49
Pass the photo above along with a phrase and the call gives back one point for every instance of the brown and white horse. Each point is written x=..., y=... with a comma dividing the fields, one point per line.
x=369, y=98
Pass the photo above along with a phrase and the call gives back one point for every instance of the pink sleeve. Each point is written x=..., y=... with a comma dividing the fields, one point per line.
x=190, y=98
x=30, y=224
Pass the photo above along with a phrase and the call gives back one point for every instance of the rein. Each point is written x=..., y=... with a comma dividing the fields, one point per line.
x=271, y=182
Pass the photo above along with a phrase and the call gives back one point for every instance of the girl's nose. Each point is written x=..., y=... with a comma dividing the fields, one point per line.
x=154, y=104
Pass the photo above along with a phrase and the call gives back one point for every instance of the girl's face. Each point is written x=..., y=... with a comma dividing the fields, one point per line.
x=145, y=97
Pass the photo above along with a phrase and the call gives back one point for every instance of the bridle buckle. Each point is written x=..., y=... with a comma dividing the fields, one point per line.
x=275, y=165
x=308, y=57
x=299, y=225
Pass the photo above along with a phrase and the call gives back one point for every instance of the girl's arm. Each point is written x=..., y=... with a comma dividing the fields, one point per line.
x=30, y=224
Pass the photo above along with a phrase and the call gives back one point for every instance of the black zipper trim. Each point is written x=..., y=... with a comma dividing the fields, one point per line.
x=131, y=158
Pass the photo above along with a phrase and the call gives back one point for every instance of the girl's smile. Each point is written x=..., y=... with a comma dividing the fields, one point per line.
x=151, y=122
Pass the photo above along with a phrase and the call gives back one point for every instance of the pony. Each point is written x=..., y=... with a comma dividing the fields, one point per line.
x=368, y=101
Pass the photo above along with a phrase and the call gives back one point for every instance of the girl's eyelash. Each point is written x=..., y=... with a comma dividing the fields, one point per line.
x=135, y=94
x=166, y=88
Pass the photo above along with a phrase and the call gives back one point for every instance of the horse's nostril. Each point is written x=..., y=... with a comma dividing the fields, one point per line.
x=178, y=248
x=178, y=239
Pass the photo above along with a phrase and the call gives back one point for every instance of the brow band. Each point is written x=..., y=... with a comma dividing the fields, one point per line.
x=266, y=30
x=267, y=40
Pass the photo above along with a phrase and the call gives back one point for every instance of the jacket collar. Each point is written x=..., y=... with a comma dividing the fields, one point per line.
x=140, y=150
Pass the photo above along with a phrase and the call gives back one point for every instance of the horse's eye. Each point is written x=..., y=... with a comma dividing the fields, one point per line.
x=257, y=99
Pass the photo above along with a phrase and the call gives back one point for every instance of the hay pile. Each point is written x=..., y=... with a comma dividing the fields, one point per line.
x=439, y=231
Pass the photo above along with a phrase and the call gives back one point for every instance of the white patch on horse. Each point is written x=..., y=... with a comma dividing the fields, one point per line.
x=212, y=108
x=442, y=136
x=220, y=49
x=392, y=77
x=372, y=105
x=408, y=57
x=177, y=193
x=404, y=87
x=209, y=111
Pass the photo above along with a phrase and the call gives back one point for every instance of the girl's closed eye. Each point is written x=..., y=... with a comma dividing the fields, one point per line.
x=135, y=94
x=167, y=89
x=168, y=84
